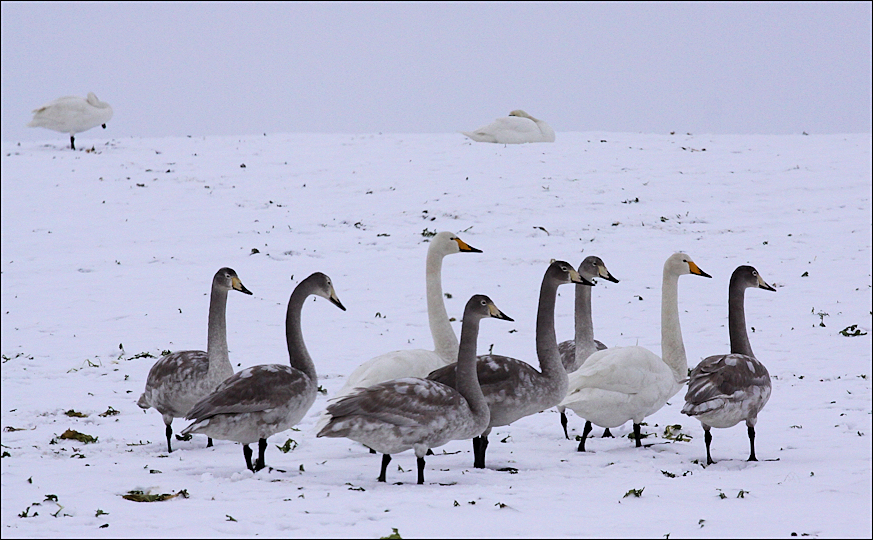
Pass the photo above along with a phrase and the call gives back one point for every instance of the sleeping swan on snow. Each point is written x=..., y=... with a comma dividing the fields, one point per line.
x=72, y=114
x=519, y=127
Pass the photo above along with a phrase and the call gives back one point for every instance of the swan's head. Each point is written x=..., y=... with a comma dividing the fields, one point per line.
x=446, y=243
x=679, y=264
x=227, y=279
x=520, y=113
x=562, y=272
x=480, y=306
x=321, y=285
x=593, y=267
x=749, y=278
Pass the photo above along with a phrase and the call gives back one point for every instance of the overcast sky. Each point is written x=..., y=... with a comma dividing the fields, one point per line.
x=235, y=69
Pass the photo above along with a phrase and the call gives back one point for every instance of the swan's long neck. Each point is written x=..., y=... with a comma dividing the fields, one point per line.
x=297, y=352
x=466, y=379
x=672, y=348
x=444, y=339
x=584, y=338
x=737, y=320
x=547, y=342
x=216, y=341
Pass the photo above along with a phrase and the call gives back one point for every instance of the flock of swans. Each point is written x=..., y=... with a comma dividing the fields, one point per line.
x=422, y=399
x=74, y=114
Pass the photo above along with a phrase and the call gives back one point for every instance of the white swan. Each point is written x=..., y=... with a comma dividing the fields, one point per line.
x=416, y=413
x=519, y=127
x=72, y=114
x=179, y=380
x=727, y=388
x=263, y=400
x=629, y=383
x=512, y=388
x=572, y=356
x=416, y=362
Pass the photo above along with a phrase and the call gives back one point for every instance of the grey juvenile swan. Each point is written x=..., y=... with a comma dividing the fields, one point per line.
x=574, y=356
x=179, y=380
x=512, y=388
x=263, y=400
x=727, y=388
x=416, y=413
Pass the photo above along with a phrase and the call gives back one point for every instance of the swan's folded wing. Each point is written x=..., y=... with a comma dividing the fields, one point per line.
x=255, y=389
x=403, y=402
x=725, y=376
x=620, y=369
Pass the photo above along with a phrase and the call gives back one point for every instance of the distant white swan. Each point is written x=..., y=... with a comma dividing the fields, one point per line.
x=72, y=114
x=519, y=127
x=416, y=362
x=180, y=379
x=727, y=388
x=630, y=383
x=416, y=413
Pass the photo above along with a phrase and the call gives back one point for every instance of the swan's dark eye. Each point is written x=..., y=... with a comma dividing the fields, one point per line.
x=483, y=302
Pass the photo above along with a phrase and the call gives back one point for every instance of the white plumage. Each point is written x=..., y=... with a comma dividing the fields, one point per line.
x=72, y=114
x=517, y=128
x=629, y=383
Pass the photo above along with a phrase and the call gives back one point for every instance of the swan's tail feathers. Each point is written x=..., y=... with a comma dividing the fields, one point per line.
x=479, y=136
x=694, y=409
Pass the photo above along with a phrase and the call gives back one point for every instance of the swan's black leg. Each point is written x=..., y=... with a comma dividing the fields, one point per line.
x=585, y=433
x=262, y=447
x=480, y=444
x=169, y=432
x=607, y=433
x=564, y=424
x=72, y=142
x=707, y=437
x=752, y=456
x=209, y=444
x=420, y=470
x=638, y=435
x=386, y=459
x=247, y=452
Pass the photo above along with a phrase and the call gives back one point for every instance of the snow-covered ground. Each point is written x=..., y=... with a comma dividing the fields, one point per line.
x=108, y=254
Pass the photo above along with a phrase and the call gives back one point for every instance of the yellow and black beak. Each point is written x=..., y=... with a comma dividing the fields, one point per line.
x=238, y=286
x=604, y=273
x=575, y=277
x=497, y=314
x=334, y=299
x=463, y=246
x=696, y=270
x=763, y=284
